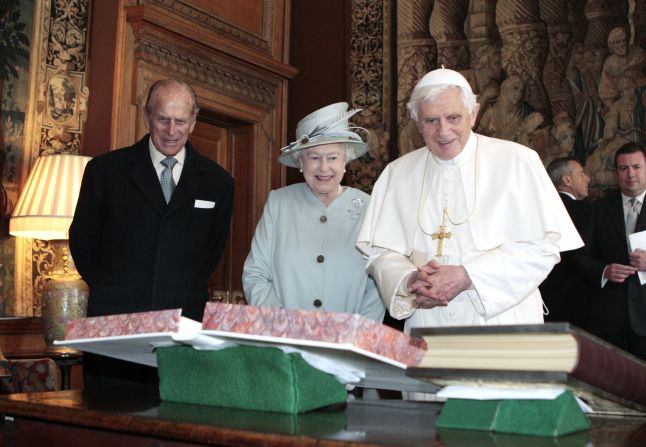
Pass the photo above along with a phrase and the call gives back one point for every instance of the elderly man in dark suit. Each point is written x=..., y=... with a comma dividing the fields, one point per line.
x=151, y=223
x=565, y=291
x=618, y=308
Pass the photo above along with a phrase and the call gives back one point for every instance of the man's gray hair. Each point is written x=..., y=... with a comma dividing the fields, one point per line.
x=468, y=98
x=558, y=168
x=170, y=83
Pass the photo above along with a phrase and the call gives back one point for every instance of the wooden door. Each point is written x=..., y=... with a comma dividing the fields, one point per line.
x=230, y=143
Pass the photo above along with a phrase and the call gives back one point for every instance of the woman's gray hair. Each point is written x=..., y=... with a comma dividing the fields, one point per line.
x=468, y=98
x=348, y=153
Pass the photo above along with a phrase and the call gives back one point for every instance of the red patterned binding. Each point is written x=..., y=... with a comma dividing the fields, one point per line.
x=124, y=324
x=339, y=328
x=27, y=376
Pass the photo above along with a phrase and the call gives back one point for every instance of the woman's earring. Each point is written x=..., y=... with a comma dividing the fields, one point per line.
x=301, y=169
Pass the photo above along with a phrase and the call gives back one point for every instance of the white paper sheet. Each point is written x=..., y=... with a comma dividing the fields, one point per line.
x=638, y=240
x=499, y=393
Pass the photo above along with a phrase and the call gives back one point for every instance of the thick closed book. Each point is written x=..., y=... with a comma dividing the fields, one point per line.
x=552, y=354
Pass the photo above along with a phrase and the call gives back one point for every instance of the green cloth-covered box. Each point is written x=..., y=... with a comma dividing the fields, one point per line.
x=246, y=377
x=557, y=417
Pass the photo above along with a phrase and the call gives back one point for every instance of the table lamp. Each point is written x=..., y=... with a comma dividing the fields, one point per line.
x=44, y=211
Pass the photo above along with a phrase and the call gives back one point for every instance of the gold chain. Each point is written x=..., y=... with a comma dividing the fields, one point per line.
x=445, y=211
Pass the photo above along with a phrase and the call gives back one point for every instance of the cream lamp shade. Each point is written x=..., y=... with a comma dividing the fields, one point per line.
x=46, y=205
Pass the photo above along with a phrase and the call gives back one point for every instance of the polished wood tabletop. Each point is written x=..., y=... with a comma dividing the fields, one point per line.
x=132, y=418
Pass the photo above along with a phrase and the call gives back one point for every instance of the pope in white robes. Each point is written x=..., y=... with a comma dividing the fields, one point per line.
x=463, y=230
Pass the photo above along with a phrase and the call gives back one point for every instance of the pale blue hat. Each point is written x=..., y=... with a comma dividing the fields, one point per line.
x=327, y=125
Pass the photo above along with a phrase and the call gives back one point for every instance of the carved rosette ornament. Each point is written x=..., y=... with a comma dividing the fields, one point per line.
x=524, y=48
x=416, y=56
x=559, y=34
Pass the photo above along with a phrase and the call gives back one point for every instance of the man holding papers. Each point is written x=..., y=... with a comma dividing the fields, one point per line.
x=611, y=262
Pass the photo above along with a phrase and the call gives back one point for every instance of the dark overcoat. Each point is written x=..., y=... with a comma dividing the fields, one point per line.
x=616, y=304
x=565, y=291
x=138, y=253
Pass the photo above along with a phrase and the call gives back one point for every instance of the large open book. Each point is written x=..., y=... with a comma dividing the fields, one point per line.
x=375, y=355
x=380, y=352
x=551, y=354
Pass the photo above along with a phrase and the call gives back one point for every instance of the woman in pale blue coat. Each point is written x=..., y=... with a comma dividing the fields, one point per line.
x=303, y=253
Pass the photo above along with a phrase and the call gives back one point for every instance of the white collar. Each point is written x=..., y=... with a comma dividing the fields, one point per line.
x=465, y=153
x=157, y=156
x=625, y=198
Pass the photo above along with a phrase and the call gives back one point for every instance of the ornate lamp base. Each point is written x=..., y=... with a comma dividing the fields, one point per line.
x=64, y=298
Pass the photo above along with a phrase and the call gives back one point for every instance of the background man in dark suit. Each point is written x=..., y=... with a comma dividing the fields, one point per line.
x=136, y=251
x=618, y=308
x=565, y=291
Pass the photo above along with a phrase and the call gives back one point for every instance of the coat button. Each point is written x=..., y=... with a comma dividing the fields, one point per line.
x=320, y=258
x=323, y=219
x=317, y=303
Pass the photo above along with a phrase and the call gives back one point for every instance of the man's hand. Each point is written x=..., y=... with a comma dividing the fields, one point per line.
x=618, y=272
x=638, y=259
x=436, y=285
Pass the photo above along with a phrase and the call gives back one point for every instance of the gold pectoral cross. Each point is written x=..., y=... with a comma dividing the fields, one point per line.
x=441, y=234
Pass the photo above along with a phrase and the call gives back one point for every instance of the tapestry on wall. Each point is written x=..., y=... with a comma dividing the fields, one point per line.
x=15, y=35
x=44, y=102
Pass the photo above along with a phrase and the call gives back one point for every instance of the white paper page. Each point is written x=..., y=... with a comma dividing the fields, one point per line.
x=499, y=393
x=638, y=240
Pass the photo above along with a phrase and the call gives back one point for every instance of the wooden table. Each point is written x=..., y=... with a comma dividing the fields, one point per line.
x=126, y=419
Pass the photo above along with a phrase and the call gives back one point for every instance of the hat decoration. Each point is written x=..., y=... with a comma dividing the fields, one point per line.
x=327, y=125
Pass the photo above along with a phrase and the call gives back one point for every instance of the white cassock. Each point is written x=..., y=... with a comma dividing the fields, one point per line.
x=507, y=226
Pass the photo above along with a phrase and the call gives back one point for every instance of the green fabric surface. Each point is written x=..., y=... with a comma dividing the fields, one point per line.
x=245, y=377
x=550, y=418
x=541, y=417
x=468, y=414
